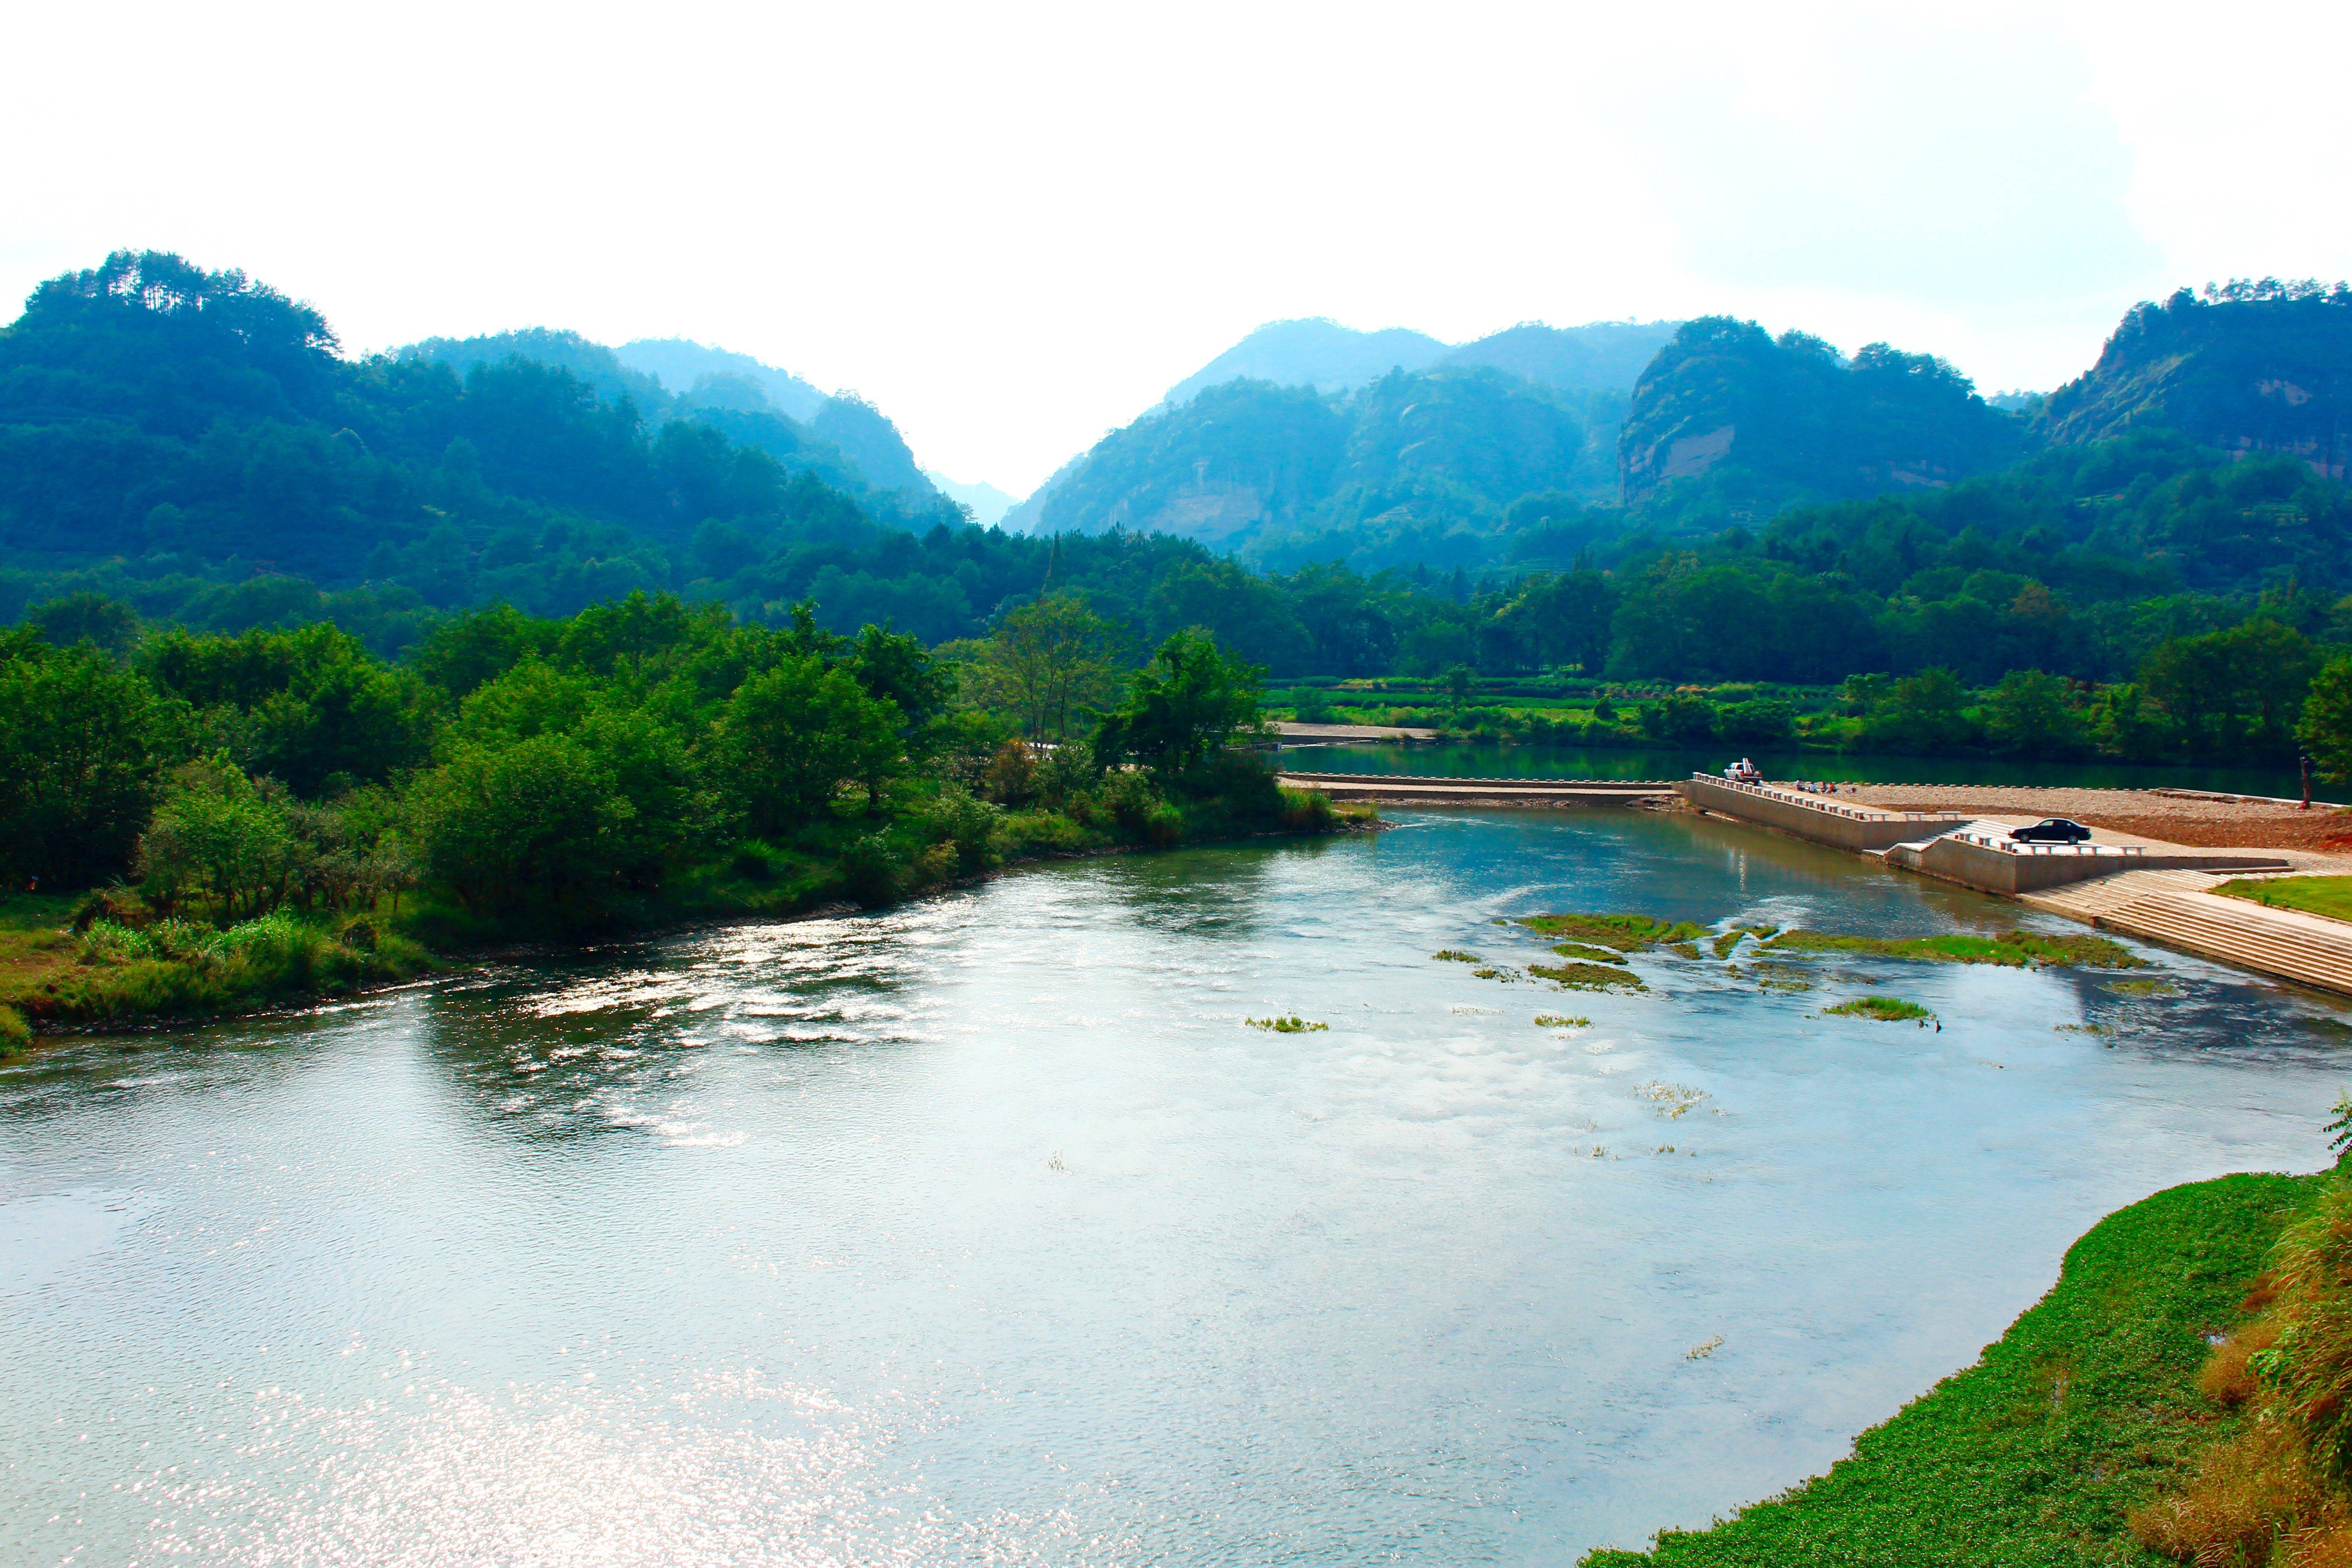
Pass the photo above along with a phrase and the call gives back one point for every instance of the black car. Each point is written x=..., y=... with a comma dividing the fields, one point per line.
x=2052, y=830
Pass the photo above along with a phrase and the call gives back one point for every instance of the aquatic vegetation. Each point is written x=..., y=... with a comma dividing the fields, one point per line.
x=1783, y=979
x=2100, y=1030
x=1455, y=956
x=1587, y=976
x=2013, y=950
x=1705, y=1349
x=1555, y=1021
x=1684, y=949
x=1885, y=1009
x=1499, y=972
x=1294, y=1024
x=1729, y=941
x=1578, y=950
x=1625, y=933
x=2141, y=988
x=1673, y=1099
x=15, y=1032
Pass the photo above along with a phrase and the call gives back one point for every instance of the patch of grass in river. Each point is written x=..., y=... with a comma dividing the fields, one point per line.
x=1885, y=1009
x=1294, y=1024
x=1455, y=956
x=2011, y=950
x=1625, y=933
x=1556, y=1021
x=1578, y=950
x=2141, y=988
x=1587, y=976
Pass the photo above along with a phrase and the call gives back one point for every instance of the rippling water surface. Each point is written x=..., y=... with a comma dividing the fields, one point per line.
x=983, y=1231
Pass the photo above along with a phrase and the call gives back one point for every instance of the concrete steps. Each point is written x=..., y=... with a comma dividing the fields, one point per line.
x=2273, y=942
x=2086, y=901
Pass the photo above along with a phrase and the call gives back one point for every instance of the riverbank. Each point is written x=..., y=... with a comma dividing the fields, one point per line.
x=2088, y=1408
x=56, y=981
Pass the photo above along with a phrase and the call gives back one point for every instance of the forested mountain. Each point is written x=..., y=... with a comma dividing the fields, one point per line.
x=2251, y=368
x=1316, y=353
x=844, y=440
x=1773, y=421
x=1593, y=366
x=1602, y=357
x=679, y=364
x=1416, y=466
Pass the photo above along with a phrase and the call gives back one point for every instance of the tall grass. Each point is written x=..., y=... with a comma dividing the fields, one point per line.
x=178, y=968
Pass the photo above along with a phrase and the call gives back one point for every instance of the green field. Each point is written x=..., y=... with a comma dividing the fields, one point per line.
x=2329, y=896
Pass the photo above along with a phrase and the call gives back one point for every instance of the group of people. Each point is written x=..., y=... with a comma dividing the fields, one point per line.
x=1746, y=772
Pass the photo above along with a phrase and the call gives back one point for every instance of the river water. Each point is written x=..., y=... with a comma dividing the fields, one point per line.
x=985, y=1231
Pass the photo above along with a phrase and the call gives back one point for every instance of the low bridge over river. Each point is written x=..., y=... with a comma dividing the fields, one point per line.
x=1416, y=789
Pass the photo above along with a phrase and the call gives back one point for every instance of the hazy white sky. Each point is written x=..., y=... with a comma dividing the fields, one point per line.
x=1014, y=226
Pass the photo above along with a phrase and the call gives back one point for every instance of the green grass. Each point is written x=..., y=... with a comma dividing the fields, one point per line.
x=1885, y=1009
x=1455, y=956
x=1293, y=1025
x=2329, y=896
x=1625, y=933
x=1587, y=953
x=1556, y=1021
x=1587, y=976
x=2014, y=949
x=2087, y=1407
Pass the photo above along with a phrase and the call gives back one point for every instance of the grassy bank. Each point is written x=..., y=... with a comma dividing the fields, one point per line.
x=2329, y=896
x=2087, y=1409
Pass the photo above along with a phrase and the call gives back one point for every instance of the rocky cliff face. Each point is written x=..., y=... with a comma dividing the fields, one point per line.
x=1790, y=420
x=2260, y=369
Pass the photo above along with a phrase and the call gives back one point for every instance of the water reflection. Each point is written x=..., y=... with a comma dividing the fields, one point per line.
x=981, y=1230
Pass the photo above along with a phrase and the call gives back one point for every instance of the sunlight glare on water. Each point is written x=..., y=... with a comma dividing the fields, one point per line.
x=985, y=1231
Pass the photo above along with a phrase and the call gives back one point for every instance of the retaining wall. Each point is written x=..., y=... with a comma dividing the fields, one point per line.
x=1864, y=830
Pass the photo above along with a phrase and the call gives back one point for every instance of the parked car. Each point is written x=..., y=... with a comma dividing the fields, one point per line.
x=2052, y=830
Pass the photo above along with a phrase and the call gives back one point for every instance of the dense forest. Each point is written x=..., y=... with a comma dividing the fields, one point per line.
x=187, y=449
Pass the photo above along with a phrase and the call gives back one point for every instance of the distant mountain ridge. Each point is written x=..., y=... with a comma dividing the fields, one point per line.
x=843, y=440
x=1604, y=357
x=679, y=364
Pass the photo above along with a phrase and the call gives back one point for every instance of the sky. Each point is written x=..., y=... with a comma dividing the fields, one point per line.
x=1014, y=226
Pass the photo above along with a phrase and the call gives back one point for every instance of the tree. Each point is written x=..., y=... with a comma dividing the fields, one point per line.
x=81, y=742
x=1051, y=662
x=790, y=736
x=219, y=836
x=1186, y=706
x=2030, y=714
x=532, y=821
x=1924, y=713
x=2326, y=728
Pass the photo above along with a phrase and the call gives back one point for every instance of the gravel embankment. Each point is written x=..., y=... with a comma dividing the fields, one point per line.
x=2209, y=824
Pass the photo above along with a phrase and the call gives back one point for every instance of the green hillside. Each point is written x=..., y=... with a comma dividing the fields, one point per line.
x=1742, y=422
x=2251, y=369
x=1416, y=468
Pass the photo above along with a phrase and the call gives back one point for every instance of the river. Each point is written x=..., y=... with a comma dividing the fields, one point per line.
x=983, y=1230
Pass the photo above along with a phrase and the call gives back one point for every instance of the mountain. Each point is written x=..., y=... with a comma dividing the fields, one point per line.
x=1316, y=353
x=1599, y=357
x=988, y=504
x=591, y=363
x=2251, y=369
x=1417, y=466
x=678, y=365
x=844, y=440
x=1769, y=421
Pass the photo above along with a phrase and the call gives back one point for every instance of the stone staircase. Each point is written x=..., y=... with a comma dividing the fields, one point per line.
x=2086, y=901
x=2174, y=908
